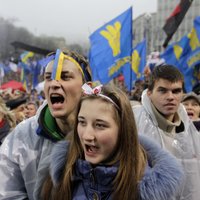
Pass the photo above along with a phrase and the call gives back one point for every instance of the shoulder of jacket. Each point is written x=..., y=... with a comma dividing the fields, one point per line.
x=58, y=160
x=163, y=175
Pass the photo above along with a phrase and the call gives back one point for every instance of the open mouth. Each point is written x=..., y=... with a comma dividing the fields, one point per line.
x=56, y=98
x=190, y=114
x=91, y=149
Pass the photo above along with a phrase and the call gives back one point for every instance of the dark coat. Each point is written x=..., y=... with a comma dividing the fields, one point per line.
x=161, y=181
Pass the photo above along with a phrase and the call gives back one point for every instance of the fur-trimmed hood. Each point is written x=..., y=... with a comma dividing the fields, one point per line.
x=162, y=178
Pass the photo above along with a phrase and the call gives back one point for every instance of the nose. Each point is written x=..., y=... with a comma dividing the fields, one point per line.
x=189, y=106
x=170, y=95
x=88, y=133
x=55, y=84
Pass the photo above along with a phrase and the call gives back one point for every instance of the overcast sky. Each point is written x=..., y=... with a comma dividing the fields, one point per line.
x=74, y=20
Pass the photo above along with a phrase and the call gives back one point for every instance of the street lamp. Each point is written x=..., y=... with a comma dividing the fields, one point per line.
x=147, y=30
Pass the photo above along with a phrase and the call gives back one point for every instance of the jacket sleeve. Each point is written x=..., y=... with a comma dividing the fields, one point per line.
x=52, y=164
x=17, y=165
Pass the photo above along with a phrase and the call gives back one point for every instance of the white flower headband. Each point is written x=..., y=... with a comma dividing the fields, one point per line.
x=97, y=91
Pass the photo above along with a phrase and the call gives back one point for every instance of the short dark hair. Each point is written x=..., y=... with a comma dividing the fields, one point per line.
x=167, y=72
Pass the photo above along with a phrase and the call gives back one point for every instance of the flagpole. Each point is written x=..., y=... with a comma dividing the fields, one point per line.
x=132, y=36
x=131, y=86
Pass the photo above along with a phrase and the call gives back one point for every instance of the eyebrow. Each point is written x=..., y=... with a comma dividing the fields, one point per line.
x=164, y=88
x=80, y=117
x=63, y=72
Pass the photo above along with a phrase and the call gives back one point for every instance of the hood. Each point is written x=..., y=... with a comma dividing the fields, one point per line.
x=146, y=102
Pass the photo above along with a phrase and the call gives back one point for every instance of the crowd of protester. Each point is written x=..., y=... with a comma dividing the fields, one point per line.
x=22, y=104
x=81, y=140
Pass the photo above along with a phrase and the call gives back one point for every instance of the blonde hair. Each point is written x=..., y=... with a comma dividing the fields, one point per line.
x=7, y=113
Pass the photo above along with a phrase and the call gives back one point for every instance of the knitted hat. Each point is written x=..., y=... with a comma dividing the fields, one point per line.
x=14, y=103
x=191, y=95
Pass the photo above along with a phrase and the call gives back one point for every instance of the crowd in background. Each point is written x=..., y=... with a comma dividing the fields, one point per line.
x=152, y=108
x=16, y=106
x=23, y=105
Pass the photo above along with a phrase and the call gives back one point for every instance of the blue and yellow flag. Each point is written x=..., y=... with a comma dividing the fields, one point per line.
x=24, y=79
x=185, y=54
x=138, y=60
x=25, y=71
x=110, y=49
x=26, y=55
x=57, y=65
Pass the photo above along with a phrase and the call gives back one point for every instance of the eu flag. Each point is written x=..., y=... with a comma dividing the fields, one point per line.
x=138, y=60
x=110, y=49
x=185, y=54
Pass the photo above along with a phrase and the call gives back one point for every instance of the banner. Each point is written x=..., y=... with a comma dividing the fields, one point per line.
x=175, y=19
x=110, y=51
x=138, y=60
x=185, y=54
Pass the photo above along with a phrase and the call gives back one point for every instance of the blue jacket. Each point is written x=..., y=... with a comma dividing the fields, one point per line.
x=161, y=181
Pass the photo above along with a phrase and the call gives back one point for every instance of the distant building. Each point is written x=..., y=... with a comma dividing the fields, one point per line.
x=143, y=26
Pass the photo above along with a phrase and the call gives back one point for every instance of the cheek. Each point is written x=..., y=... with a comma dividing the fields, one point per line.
x=79, y=132
x=108, y=141
x=156, y=101
x=74, y=88
x=179, y=98
x=46, y=86
x=197, y=110
x=186, y=107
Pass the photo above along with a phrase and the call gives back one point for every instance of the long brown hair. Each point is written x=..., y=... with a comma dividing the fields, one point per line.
x=129, y=153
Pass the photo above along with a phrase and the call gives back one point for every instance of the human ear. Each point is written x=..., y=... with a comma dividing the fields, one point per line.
x=149, y=92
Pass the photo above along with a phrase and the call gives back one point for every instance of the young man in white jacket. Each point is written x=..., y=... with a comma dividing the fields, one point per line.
x=163, y=118
x=25, y=151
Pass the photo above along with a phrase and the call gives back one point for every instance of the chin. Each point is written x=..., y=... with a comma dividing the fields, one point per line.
x=93, y=161
x=58, y=114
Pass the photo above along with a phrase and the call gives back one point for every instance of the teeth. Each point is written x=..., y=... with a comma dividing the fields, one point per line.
x=91, y=148
x=55, y=95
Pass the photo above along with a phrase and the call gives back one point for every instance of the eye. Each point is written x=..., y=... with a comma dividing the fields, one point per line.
x=47, y=77
x=66, y=77
x=162, y=90
x=101, y=125
x=177, y=91
x=81, y=122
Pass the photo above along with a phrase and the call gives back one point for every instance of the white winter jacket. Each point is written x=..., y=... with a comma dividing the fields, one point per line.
x=184, y=145
x=21, y=155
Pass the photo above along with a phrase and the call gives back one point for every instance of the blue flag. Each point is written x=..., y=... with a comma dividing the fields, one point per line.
x=110, y=49
x=2, y=73
x=36, y=69
x=138, y=60
x=185, y=54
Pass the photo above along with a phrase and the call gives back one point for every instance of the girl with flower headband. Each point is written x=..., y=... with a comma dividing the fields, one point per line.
x=105, y=159
x=29, y=145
